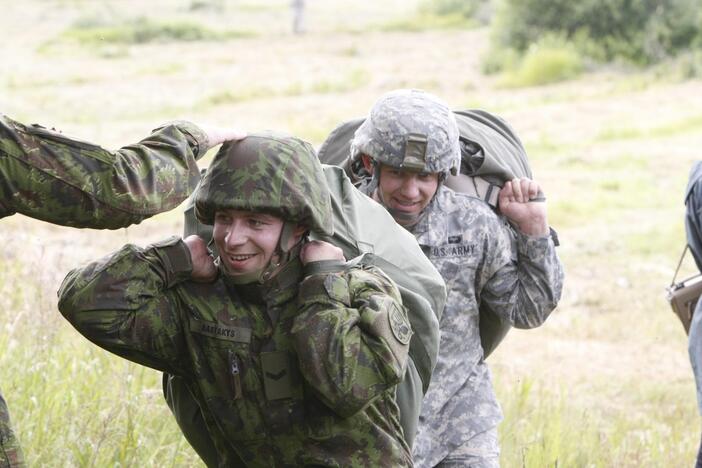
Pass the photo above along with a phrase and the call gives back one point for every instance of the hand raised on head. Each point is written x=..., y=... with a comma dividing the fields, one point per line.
x=204, y=270
x=317, y=250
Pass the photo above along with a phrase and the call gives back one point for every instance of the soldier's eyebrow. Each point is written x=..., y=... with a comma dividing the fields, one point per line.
x=263, y=216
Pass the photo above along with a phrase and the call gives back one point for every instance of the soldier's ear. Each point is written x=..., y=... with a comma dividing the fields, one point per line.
x=367, y=163
x=299, y=230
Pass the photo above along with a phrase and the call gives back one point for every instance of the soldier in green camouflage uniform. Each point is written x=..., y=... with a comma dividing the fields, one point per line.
x=294, y=355
x=409, y=143
x=48, y=176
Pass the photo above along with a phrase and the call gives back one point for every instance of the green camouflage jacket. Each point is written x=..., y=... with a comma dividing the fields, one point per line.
x=48, y=176
x=10, y=452
x=298, y=371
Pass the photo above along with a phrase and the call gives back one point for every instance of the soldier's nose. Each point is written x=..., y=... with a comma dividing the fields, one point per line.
x=235, y=237
x=410, y=188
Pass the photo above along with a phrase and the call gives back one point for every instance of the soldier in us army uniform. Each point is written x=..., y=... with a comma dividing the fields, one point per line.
x=292, y=354
x=54, y=178
x=409, y=143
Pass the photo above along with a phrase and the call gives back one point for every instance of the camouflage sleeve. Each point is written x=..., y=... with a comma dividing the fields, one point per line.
x=352, y=336
x=527, y=287
x=48, y=176
x=10, y=452
x=123, y=303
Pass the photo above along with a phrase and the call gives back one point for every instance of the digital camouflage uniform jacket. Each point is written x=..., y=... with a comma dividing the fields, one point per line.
x=473, y=250
x=48, y=176
x=305, y=376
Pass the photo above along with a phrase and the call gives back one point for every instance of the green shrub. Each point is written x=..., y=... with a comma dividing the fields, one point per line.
x=427, y=22
x=547, y=61
x=465, y=8
x=641, y=31
x=500, y=59
x=142, y=30
x=443, y=14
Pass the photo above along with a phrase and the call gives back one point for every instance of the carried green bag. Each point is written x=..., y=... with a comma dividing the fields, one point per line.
x=491, y=153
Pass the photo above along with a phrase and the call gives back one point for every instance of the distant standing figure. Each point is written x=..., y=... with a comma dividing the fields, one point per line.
x=298, y=11
x=693, y=229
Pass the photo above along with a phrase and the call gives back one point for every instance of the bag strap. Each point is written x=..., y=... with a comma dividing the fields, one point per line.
x=475, y=186
x=687, y=246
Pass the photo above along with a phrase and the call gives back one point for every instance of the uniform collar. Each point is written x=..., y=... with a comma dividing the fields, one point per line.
x=432, y=229
x=279, y=289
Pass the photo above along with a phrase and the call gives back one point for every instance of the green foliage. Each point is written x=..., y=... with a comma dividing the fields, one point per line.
x=686, y=66
x=443, y=14
x=426, y=22
x=548, y=61
x=216, y=5
x=465, y=8
x=500, y=59
x=640, y=31
x=143, y=30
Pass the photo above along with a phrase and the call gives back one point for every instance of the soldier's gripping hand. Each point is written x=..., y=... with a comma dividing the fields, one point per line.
x=204, y=269
x=316, y=250
x=218, y=135
x=520, y=202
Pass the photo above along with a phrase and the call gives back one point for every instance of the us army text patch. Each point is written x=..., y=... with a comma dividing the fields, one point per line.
x=453, y=250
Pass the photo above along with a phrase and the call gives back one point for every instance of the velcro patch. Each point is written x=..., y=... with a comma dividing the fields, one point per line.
x=399, y=324
x=278, y=371
x=455, y=239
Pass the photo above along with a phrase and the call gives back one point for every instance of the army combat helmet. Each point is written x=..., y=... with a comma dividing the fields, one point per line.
x=411, y=130
x=270, y=173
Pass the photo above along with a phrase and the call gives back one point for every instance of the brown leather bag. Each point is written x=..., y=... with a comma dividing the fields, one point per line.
x=683, y=295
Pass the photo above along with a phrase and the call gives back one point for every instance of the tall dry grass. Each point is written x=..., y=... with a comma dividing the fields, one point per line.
x=605, y=382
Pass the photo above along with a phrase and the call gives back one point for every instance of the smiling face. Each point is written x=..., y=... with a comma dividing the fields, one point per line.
x=406, y=192
x=246, y=240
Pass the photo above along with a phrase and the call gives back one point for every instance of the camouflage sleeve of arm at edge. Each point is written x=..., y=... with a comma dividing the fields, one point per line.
x=352, y=336
x=123, y=303
x=10, y=451
x=48, y=176
x=526, y=291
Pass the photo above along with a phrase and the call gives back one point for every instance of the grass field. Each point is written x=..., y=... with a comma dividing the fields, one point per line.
x=604, y=383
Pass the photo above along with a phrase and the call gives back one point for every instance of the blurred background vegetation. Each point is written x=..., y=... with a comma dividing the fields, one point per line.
x=605, y=95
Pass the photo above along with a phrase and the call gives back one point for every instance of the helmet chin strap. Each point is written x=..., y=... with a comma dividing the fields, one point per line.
x=282, y=256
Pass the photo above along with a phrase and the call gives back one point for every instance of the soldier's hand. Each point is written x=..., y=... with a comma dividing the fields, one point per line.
x=316, y=250
x=218, y=135
x=519, y=201
x=204, y=270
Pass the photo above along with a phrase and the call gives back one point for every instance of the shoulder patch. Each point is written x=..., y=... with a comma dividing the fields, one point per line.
x=399, y=324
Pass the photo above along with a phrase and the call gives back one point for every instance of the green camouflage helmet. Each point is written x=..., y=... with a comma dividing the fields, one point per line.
x=272, y=173
x=410, y=129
